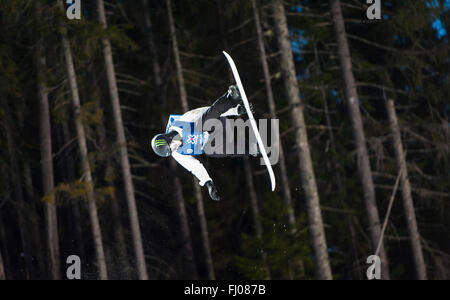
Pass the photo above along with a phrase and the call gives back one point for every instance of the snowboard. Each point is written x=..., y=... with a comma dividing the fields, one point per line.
x=254, y=127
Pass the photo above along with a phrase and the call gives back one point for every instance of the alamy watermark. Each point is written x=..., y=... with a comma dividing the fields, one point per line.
x=228, y=137
x=74, y=9
x=374, y=11
x=74, y=269
x=374, y=270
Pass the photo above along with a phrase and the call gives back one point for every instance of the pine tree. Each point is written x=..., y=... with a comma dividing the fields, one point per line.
x=271, y=101
x=405, y=185
x=317, y=231
x=85, y=167
x=197, y=189
x=18, y=193
x=2, y=268
x=363, y=162
x=122, y=142
x=46, y=158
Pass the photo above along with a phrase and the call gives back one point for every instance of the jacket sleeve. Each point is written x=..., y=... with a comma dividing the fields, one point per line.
x=193, y=165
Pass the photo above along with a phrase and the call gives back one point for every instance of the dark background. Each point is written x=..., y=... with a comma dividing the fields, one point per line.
x=403, y=56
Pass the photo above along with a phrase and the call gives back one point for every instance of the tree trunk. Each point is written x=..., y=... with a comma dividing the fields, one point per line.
x=34, y=220
x=4, y=250
x=119, y=235
x=185, y=108
x=190, y=267
x=335, y=168
x=356, y=268
x=270, y=99
x=86, y=169
x=408, y=204
x=176, y=53
x=255, y=212
x=154, y=54
x=122, y=142
x=2, y=268
x=363, y=162
x=328, y=120
x=317, y=231
x=185, y=233
x=254, y=206
x=253, y=199
x=18, y=193
x=204, y=233
x=47, y=160
x=74, y=205
x=4, y=258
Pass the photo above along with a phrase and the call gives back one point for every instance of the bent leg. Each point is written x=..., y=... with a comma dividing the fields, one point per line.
x=219, y=107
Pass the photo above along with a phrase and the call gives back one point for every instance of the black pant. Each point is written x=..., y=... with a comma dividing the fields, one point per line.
x=220, y=106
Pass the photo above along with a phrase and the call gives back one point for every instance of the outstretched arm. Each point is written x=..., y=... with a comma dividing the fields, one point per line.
x=192, y=165
x=196, y=167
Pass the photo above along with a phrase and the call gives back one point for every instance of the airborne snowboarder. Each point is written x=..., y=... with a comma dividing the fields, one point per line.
x=182, y=141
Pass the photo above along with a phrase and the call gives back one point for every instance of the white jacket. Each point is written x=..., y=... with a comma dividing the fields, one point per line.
x=189, y=162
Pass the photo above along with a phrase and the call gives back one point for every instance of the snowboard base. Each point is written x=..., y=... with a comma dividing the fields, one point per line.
x=254, y=127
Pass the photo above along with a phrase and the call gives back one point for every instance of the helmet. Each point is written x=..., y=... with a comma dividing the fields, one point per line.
x=161, y=146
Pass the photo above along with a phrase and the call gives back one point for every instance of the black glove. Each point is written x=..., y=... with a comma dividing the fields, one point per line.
x=212, y=190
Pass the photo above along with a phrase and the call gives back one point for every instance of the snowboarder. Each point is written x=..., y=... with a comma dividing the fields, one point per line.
x=182, y=142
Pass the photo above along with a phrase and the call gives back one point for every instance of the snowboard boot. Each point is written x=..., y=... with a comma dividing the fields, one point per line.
x=241, y=109
x=234, y=95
